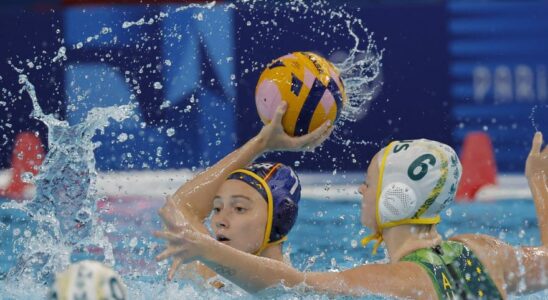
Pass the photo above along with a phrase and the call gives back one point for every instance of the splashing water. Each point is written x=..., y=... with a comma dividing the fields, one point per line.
x=360, y=69
x=359, y=72
x=163, y=15
x=66, y=198
x=64, y=206
x=537, y=121
x=360, y=64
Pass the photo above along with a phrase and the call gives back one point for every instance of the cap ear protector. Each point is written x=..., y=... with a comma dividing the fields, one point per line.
x=417, y=179
x=397, y=201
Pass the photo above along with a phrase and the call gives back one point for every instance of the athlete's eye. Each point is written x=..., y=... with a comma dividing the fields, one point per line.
x=240, y=209
x=216, y=210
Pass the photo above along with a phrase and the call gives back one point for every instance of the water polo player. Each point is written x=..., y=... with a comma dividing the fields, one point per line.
x=408, y=184
x=254, y=207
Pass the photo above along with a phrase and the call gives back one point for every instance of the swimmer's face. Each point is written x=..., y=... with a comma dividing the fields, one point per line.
x=368, y=190
x=239, y=216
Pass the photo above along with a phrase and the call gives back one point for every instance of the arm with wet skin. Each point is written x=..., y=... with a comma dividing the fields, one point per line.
x=254, y=273
x=534, y=260
x=193, y=201
x=536, y=171
x=525, y=269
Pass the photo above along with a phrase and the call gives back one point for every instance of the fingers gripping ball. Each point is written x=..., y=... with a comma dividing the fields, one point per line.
x=310, y=85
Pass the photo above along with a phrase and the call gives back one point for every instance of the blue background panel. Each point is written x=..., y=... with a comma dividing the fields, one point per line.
x=448, y=69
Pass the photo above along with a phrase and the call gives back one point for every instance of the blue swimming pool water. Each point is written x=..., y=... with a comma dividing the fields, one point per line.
x=328, y=232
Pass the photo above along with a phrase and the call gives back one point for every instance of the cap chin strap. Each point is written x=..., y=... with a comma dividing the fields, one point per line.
x=378, y=233
x=414, y=220
x=270, y=210
x=268, y=244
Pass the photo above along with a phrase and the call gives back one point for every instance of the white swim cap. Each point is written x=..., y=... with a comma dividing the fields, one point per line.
x=89, y=280
x=417, y=180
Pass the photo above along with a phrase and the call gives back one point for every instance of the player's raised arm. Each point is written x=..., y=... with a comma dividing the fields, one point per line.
x=195, y=198
x=536, y=171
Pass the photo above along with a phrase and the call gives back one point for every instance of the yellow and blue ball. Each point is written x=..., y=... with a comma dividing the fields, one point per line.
x=311, y=86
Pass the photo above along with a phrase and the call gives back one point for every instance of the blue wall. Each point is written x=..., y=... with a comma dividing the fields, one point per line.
x=498, y=59
x=448, y=69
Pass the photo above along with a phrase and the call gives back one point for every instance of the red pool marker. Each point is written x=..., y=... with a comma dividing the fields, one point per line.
x=28, y=154
x=479, y=167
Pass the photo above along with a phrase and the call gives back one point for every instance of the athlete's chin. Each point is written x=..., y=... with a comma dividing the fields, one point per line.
x=247, y=248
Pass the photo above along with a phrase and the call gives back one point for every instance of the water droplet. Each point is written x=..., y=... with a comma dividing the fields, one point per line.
x=449, y=232
x=122, y=137
x=199, y=16
x=105, y=30
x=27, y=177
x=110, y=228
x=502, y=235
x=158, y=85
x=165, y=104
x=61, y=54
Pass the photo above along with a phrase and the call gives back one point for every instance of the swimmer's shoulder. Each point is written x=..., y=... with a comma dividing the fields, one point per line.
x=497, y=256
